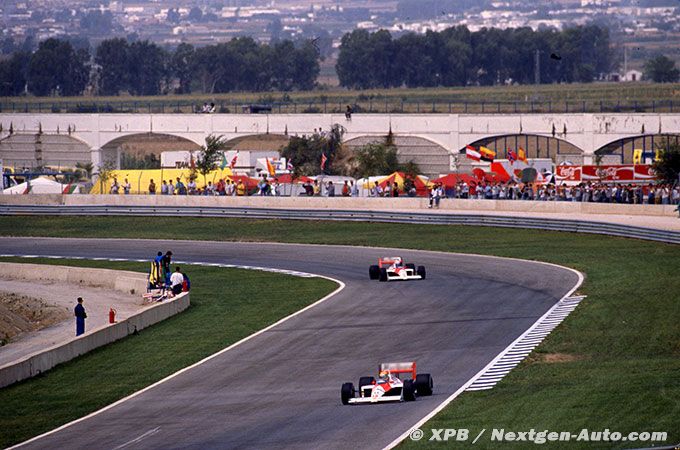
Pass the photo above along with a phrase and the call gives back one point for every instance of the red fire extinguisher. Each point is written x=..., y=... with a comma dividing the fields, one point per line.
x=112, y=315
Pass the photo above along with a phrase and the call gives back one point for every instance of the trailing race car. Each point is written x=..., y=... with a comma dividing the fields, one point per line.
x=390, y=269
x=389, y=387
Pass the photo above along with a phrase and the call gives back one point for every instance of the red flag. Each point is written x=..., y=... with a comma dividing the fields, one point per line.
x=512, y=156
x=233, y=161
x=324, y=159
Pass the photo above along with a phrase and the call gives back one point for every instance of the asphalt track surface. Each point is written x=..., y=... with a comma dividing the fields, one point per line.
x=281, y=389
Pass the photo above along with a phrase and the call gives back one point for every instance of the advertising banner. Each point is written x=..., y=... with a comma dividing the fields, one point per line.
x=568, y=174
x=608, y=173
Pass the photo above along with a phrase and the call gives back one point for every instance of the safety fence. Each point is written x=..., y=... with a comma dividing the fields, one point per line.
x=440, y=218
x=337, y=106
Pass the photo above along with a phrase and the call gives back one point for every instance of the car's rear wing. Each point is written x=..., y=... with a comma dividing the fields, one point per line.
x=388, y=261
x=400, y=367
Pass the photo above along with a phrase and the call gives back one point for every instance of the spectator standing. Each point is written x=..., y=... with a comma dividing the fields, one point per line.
x=354, y=189
x=81, y=315
x=152, y=188
x=231, y=188
x=164, y=188
x=191, y=186
x=126, y=187
x=114, y=186
x=165, y=264
x=330, y=189
x=240, y=188
x=317, y=188
x=345, y=189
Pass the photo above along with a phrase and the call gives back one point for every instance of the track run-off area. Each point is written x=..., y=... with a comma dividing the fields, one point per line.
x=280, y=388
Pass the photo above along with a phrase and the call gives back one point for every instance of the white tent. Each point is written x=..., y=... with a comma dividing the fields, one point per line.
x=38, y=185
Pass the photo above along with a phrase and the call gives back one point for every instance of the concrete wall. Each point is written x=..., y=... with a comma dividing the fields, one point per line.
x=119, y=280
x=39, y=362
x=360, y=203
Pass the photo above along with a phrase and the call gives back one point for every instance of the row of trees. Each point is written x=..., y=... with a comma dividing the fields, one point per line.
x=144, y=68
x=459, y=57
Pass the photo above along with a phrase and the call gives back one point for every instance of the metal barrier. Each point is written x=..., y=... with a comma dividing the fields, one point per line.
x=574, y=226
x=361, y=104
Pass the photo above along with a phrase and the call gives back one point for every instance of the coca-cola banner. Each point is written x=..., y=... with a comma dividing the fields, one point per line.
x=604, y=173
x=644, y=172
x=608, y=173
x=568, y=173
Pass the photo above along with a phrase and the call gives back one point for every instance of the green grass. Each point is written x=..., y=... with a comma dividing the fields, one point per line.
x=620, y=348
x=225, y=307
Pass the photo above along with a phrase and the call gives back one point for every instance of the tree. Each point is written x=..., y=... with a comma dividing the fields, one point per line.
x=13, y=74
x=210, y=154
x=668, y=167
x=661, y=69
x=180, y=66
x=306, y=152
x=112, y=56
x=57, y=67
x=146, y=68
x=375, y=158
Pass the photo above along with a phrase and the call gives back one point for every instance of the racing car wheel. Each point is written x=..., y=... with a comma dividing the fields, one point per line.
x=374, y=272
x=346, y=392
x=409, y=391
x=424, y=384
x=421, y=272
x=383, y=275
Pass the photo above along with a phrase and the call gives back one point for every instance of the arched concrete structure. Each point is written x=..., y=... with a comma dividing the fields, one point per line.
x=621, y=150
x=141, y=144
x=588, y=132
x=536, y=146
x=432, y=158
x=31, y=150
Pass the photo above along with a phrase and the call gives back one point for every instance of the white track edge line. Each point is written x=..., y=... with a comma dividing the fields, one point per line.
x=181, y=371
x=474, y=378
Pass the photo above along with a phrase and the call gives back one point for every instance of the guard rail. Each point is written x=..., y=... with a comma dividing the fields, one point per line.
x=567, y=225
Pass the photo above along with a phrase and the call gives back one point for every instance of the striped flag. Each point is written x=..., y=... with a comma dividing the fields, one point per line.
x=487, y=154
x=471, y=153
x=324, y=160
x=512, y=156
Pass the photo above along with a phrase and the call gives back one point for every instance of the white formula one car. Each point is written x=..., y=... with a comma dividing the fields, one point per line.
x=393, y=268
x=389, y=387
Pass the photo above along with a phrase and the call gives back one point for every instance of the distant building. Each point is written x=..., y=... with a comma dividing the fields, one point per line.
x=632, y=75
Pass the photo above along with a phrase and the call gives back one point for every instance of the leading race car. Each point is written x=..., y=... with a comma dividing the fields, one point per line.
x=389, y=387
x=393, y=268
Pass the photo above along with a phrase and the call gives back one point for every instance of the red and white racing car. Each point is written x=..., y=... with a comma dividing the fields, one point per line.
x=389, y=387
x=393, y=268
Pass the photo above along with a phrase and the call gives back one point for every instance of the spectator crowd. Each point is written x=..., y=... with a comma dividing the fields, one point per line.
x=631, y=193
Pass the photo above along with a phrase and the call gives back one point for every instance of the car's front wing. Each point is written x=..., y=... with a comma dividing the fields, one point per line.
x=384, y=398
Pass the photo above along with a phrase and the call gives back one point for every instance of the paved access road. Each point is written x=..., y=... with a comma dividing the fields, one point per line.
x=282, y=388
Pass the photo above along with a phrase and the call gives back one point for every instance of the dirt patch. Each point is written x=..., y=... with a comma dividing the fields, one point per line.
x=21, y=314
x=558, y=358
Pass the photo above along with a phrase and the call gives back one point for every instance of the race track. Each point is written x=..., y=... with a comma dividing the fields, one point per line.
x=281, y=389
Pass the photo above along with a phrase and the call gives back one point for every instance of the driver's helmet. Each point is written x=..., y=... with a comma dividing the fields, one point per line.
x=384, y=375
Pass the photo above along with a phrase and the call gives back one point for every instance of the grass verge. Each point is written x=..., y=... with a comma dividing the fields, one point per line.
x=614, y=363
x=224, y=309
